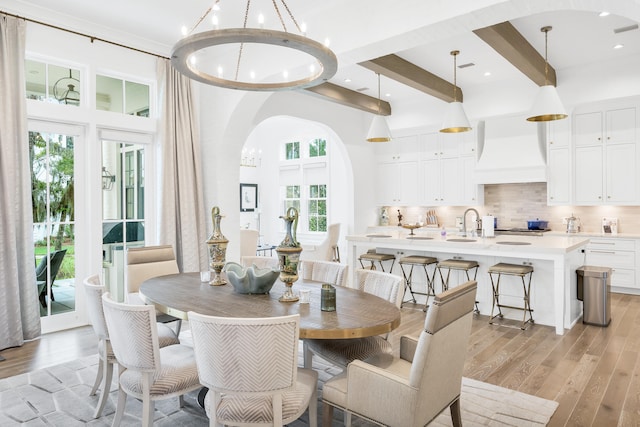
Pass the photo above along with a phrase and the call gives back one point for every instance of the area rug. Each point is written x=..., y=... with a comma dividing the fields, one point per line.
x=58, y=396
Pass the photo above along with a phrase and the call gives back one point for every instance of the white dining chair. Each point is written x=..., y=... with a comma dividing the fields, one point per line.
x=250, y=366
x=148, y=372
x=413, y=389
x=93, y=291
x=324, y=271
x=145, y=263
x=341, y=352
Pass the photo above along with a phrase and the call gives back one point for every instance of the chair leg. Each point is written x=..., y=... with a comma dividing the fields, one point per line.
x=327, y=415
x=101, y=363
x=178, y=327
x=106, y=388
x=313, y=409
x=456, y=416
x=347, y=419
x=122, y=401
x=147, y=411
x=307, y=355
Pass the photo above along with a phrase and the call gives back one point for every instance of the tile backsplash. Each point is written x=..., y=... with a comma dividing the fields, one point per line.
x=515, y=204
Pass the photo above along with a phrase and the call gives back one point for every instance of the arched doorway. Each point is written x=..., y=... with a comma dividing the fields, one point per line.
x=298, y=162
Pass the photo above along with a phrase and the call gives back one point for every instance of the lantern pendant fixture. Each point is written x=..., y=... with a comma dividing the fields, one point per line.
x=455, y=119
x=547, y=105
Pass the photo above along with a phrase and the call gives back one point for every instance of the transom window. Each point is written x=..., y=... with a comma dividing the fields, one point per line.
x=292, y=150
x=122, y=96
x=52, y=83
x=318, y=148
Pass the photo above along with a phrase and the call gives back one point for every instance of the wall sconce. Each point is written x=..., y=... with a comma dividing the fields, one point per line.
x=107, y=179
x=249, y=159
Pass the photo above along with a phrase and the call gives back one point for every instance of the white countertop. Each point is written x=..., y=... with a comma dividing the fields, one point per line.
x=431, y=239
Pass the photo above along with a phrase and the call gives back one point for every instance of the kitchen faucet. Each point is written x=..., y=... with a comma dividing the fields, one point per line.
x=464, y=221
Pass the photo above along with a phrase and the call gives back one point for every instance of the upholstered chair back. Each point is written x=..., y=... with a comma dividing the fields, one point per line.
x=325, y=271
x=325, y=250
x=252, y=356
x=133, y=334
x=248, y=242
x=384, y=285
x=441, y=350
x=147, y=262
x=93, y=291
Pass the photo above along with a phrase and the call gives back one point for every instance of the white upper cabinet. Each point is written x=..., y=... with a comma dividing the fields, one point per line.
x=397, y=176
x=606, y=154
x=558, y=139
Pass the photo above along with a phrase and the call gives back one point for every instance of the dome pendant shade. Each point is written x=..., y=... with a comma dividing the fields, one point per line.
x=455, y=119
x=547, y=106
x=379, y=131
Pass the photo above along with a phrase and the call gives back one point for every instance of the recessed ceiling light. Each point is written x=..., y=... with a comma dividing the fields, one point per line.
x=618, y=46
x=603, y=14
x=347, y=80
x=487, y=73
x=388, y=95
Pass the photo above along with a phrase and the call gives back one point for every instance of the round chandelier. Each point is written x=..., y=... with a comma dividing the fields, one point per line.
x=185, y=54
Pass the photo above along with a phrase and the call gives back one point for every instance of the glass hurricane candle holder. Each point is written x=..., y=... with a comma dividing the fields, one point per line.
x=217, y=245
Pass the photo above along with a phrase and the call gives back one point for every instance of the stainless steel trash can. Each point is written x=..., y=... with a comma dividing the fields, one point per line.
x=594, y=289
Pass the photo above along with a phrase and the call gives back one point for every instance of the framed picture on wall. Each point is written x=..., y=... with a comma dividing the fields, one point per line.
x=248, y=197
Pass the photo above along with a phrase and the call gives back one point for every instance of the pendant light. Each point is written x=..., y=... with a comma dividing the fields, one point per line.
x=455, y=119
x=379, y=131
x=547, y=105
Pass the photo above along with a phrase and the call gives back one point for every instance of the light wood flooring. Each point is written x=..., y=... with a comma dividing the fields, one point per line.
x=593, y=372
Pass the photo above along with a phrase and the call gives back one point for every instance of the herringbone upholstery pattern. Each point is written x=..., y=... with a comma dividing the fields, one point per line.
x=149, y=373
x=325, y=272
x=341, y=352
x=247, y=364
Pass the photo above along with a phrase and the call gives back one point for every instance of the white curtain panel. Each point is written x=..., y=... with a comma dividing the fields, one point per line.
x=19, y=310
x=182, y=213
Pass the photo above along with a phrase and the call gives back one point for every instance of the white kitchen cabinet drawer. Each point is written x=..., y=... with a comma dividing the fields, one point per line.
x=622, y=277
x=612, y=244
x=611, y=258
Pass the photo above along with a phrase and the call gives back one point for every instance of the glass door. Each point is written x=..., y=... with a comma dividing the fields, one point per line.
x=52, y=156
x=123, y=208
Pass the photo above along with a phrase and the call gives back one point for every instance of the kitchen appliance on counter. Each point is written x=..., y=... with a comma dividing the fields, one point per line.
x=537, y=224
x=573, y=224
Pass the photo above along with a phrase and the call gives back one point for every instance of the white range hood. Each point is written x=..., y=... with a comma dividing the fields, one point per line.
x=511, y=150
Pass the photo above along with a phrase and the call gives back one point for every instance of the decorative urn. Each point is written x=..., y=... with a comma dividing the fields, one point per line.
x=217, y=245
x=289, y=255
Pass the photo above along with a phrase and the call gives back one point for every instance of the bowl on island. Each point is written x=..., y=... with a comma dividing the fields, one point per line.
x=411, y=227
x=251, y=280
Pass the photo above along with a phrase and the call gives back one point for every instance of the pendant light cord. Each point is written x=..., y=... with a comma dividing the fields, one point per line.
x=378, y=93
x=455, y=56
x=546, y=30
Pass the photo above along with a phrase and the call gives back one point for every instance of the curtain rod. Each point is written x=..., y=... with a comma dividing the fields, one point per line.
x=92, y=38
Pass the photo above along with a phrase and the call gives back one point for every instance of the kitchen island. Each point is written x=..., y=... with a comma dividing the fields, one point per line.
x=554, y=258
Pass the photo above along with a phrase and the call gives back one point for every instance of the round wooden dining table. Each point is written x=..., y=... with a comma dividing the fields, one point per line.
x=358, y=314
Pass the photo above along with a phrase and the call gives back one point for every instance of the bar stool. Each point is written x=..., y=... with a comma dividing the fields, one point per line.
x=422, y=261
x=372, y=256
x=458, y=264
x=511, y=270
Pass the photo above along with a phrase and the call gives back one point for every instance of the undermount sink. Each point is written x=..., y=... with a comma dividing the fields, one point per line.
x=513, y=243
x=461, y=240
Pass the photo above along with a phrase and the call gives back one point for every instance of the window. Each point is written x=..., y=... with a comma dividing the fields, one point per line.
x=52, y=83
x=292, y=150
x=292, y=197
x=122, y=96
x=52, y=182
x=318, y=148
x=317, y=208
